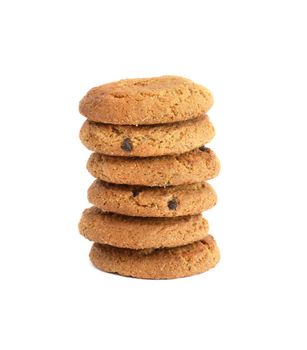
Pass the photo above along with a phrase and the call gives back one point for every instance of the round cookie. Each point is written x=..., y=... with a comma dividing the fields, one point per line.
x=145, y=140
x=191, y=167
x=152, y=201
x=141, y=233
x=164, y=263
x=165, y=99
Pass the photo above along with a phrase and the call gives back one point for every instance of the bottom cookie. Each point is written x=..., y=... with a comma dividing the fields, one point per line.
x=162, y=263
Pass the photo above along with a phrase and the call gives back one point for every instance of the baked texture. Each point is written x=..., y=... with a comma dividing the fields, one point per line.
x=141, y=233
x=147, y=140
x=158, y=100
x=164, y=263
x=191, y=167
x=152, y=201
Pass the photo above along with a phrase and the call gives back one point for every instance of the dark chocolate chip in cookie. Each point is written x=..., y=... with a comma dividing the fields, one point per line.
x=127, y=145
x=136, y=192
x=172, y=204
x=204, y=149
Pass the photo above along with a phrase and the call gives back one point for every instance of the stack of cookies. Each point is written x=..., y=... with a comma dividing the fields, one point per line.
x=151, y=168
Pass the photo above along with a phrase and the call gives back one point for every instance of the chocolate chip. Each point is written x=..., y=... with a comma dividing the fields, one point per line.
x=136, y=192
x=172, y=204
x=127, y=145
x=204, y=149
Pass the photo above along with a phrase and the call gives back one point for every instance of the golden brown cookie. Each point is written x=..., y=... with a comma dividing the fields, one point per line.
x=152, y=201
x=191, y=167
x=141, y=233
x=146, y=140
x=163, y=263
x=165, y=99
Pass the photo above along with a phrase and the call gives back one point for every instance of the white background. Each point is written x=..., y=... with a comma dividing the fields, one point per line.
x=252, y=55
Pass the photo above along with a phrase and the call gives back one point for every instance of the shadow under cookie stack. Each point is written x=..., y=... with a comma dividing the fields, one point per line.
x=151, y=168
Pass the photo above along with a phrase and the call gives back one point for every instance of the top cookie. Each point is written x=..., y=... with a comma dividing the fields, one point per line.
x=158, y=100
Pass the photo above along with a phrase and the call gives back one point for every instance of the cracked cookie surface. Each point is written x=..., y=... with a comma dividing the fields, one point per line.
x=152, y=201
x=158, y=100
x=139, y=232
x=163, y=263
x=147, y=140
x=187, y=168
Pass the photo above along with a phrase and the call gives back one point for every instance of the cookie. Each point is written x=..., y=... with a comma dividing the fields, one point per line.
x=141, y=233
x=163, y=263
x=191, y=167
x=146, y=140
x=159, y=100
x=152, y=201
